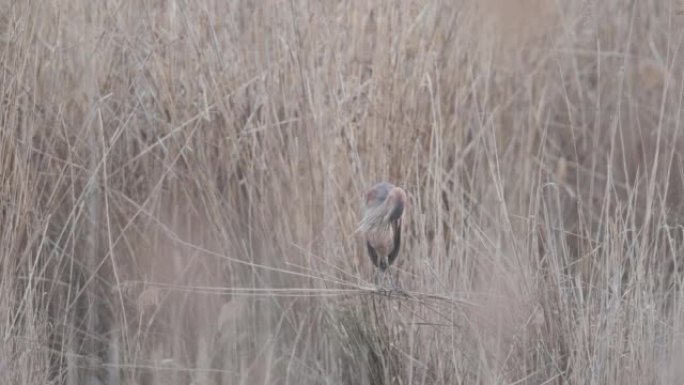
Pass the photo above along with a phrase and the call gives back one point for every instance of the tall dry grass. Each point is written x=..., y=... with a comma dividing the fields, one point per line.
x=181, y=182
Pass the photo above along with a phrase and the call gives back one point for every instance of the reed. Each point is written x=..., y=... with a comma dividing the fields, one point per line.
x=181, y=183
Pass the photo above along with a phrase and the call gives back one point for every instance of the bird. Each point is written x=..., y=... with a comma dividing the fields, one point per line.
x=380, y=226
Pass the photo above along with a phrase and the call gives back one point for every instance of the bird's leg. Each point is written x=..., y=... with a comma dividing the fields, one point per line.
x=383, y=267
x=380, y=279
x=391, y=280
x=395, y=288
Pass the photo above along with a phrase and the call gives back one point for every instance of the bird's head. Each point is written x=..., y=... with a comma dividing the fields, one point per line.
x=384, y=204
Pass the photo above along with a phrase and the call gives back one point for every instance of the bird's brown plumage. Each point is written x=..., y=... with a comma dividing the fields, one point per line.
x=381, y=223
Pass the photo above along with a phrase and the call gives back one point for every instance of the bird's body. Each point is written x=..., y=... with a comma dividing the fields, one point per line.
x=381, y=224
x=381, y=240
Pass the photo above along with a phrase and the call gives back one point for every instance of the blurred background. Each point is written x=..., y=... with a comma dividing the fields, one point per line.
x=181, y=183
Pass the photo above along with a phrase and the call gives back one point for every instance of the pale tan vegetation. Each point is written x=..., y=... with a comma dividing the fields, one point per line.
x=181, y=182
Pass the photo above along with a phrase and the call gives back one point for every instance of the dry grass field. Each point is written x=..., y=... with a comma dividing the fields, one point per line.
x=181, y=181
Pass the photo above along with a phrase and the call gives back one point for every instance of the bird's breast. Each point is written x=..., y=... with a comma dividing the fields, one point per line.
x=381, y=240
